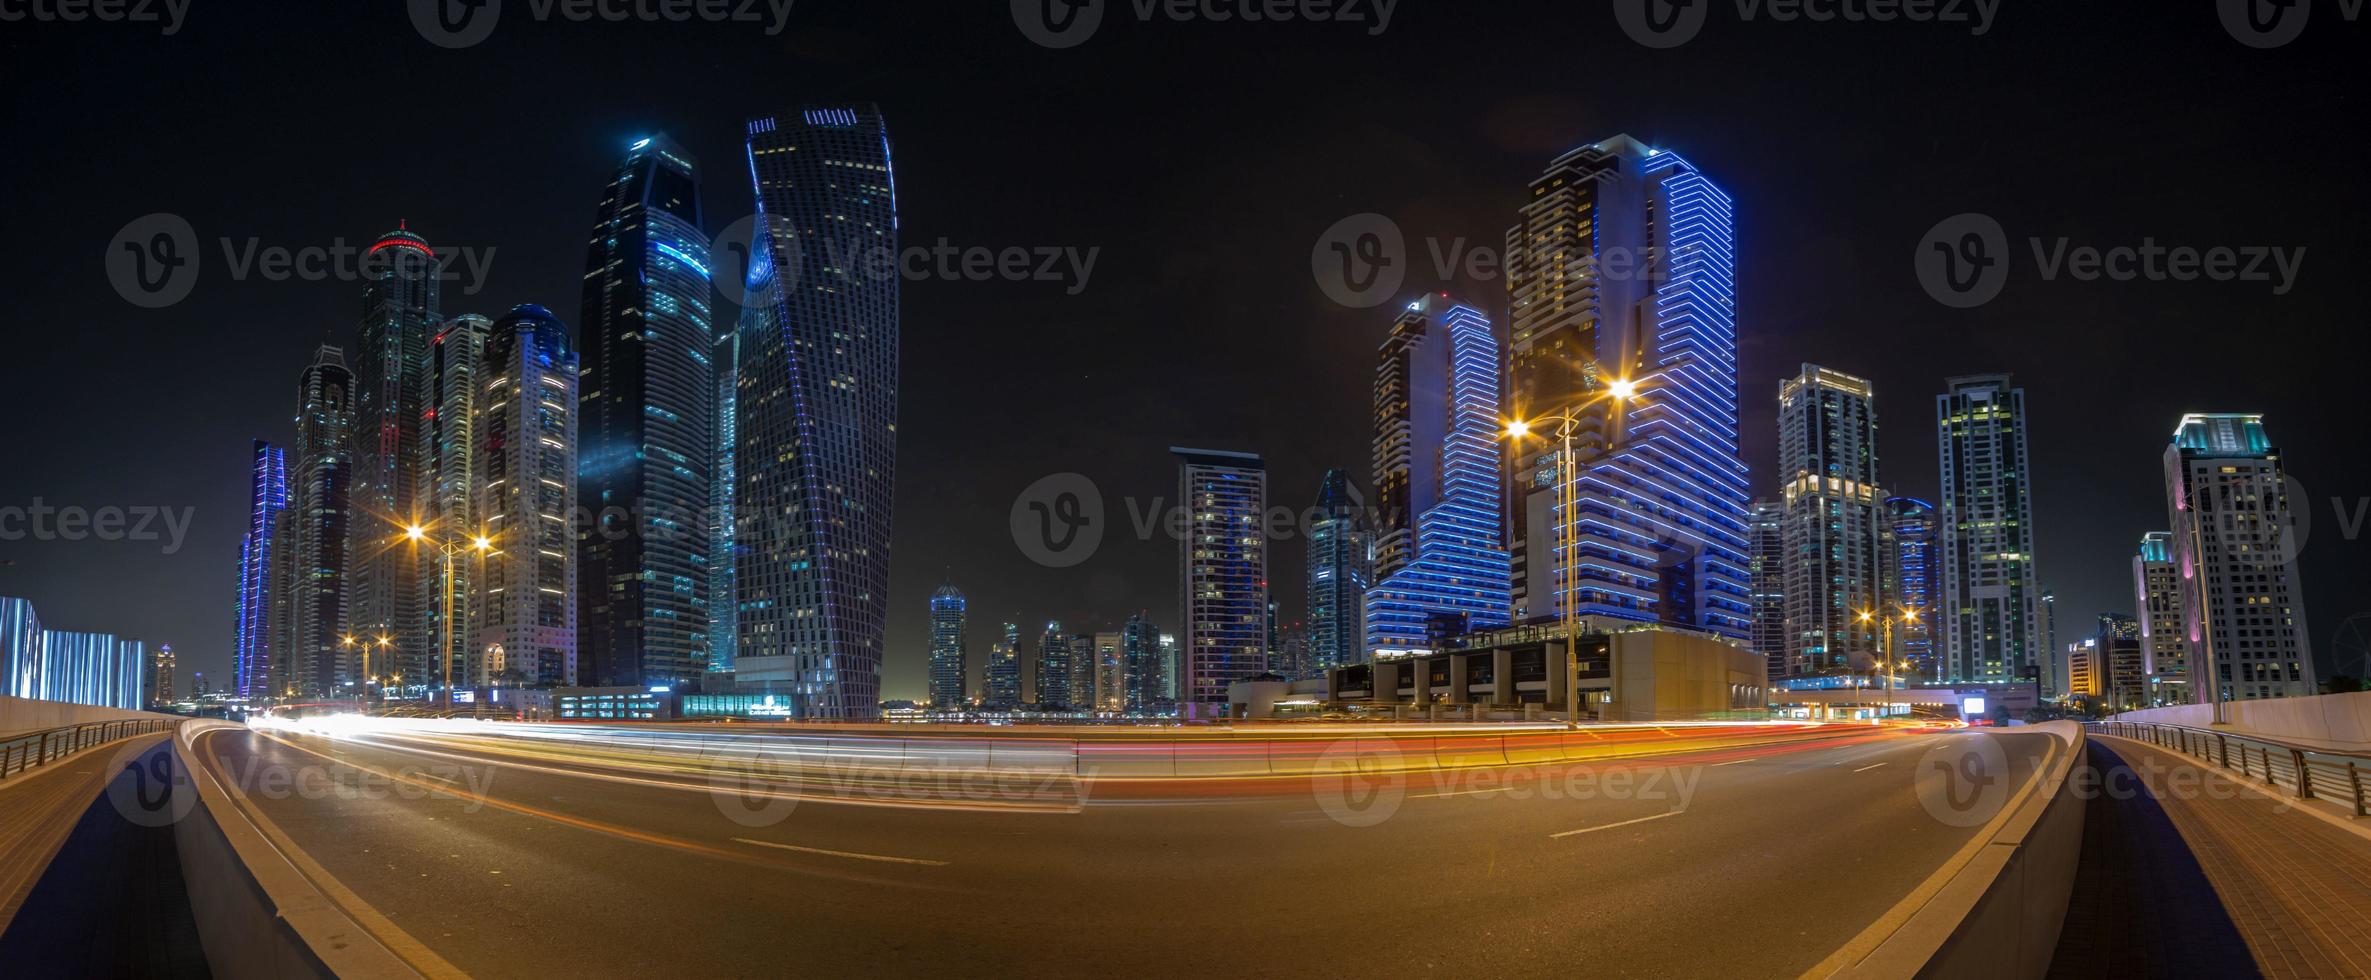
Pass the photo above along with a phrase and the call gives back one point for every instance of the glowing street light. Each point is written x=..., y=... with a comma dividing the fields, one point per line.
x=1567, y=503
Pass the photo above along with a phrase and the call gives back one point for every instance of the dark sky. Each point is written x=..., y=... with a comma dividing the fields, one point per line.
x=1204, y=160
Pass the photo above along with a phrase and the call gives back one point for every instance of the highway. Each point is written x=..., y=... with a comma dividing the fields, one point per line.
x=503, y=861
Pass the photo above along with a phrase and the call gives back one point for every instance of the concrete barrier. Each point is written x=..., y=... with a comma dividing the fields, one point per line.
x=259, y=915
x=26, y=714
x=2001, y=903
x=2340, y=721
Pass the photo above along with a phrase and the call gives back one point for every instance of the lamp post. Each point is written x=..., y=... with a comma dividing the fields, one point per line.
x=1568, y=568
x=1889, y=662
x=447, y=547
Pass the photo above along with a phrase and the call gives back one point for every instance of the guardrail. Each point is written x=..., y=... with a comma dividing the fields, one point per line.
x=36, y=749
x=2310, y=773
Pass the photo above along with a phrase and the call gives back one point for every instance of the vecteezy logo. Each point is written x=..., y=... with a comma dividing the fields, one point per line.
x=1661, y=23
x=1360, y=261
x=148, y=789
x=1058, y=521
x=456, y=23
x=153, y=261
x=1964, y=780
x=1359, y=782
x=743, y=262
x=1964, y=260
x=2264, y=23
x=1058, y=23
x=754, y=782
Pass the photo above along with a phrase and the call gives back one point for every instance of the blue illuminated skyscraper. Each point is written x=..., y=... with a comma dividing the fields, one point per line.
x=817, y=413
x=646, y=468
x=1341, y=569
x=949, y=662
x=1621, y=268
x=1439, y=548
x=1910, y=527
x=252, y=650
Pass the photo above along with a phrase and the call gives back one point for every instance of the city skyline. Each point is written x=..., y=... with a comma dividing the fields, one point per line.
x=2106, y=459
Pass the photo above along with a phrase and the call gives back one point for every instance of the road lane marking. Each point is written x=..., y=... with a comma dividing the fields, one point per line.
x=1625, y=823
x=1458, y=792
x=844, y=854
x=1732, y=762
x=1867, y=768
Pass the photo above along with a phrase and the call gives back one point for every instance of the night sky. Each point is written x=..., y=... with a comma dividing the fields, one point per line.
x=1204, y=160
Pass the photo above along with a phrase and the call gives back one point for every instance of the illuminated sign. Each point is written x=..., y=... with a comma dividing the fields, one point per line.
x=1971, y=707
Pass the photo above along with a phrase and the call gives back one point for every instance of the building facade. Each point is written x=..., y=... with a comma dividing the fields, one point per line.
x=647, y=466
x=1440, y=536
x=78, y=668
x=2157, y=607
x=1621, y=272
x=1766, y=539
x=949, y=663
x=1140, y=654
x=160, y=676
x=253, y=650
x=401, y=310
x=1910, y=581
x=2124, y=679
x=1833, y=528
x=321, y=515
x=527, y=438
x=816, y=412
x=1003, y=679
x=2234, y=522
x=447, y=494
x=1110, y=674
x=1053, y=668
x=1991, y=619
x=1222, y=575
x=1341, y=569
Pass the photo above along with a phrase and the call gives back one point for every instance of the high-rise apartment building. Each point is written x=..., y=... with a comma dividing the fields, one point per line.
x=447, y=494
x=816, y=413
x=321, y=516
x=2235, y=538
x=401, y=310
x=646, y=470
x=1110, y=673
x=1991, y=618
x=2157, y=607
x=253, y=650
x=1053, y=668
x=723, y=607
x=1003, y=680
x=527, y=438
x=1222, y=575
x=1910, y=581
x=160, y=676
x=950, y=665
x=2124, y=678
x=1621, y=272
x=1440, y=536
x=1834, y=528
x=1140, y=655
x=1766, y=540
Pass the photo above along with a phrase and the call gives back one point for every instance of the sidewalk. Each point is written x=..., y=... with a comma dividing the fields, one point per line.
x=2193, y=873
x=85, y=892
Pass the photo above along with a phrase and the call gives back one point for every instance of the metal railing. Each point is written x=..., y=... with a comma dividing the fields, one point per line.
x=33, y=749
x=2309, y=773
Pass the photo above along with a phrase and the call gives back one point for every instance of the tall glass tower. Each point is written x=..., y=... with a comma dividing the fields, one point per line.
x=1053, y=668
x=646, y=468
x=817, y=414
x=1766, y=531
x=1910, y=524
x=448, y=456
x=1621, y=267
x=1439, y=549
x=321, y=505
x=722, y=604
x=1003, y=680
x=1340, y=572
x=1991, y=617
x=527, y=436
x=1222, y=575
x=267, y=496
x=1140, y=648
x=401, y=310
x=949, y=663
x=1833, y=531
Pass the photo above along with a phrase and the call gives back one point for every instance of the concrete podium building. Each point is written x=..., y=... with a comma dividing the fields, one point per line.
x=1629, y=671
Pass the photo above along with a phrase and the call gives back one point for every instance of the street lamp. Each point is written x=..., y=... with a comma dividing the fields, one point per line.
x=1568, y=489
x=1889, y=662
x=447, y=546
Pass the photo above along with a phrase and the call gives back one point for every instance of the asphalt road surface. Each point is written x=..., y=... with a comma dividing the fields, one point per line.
x=1714, y=863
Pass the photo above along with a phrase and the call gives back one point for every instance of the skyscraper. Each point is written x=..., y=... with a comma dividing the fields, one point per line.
x=2157, y=606
x=527, y=432
x=817, y=413
x=2122, y=660
x=647, y=465
x=1110, y=674
x=1911, y=580
x=321, y=506
x=1340, y=572
x=448, y=455
x=2236, y=545
x=1621, y=269
x=160, y=675
x=400, y=311
x=1440, y=536
x=1053, y=668
x=1766, y=537
x=1004, y=669
x=252, y=651
x=1833, y=528
x=1083, y=664
x=949, y=664
x=1222, y=575
x=1140, y=652
x=1991, y=617
x=723, y=606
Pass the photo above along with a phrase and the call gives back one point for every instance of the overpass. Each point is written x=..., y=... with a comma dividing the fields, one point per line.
x=372, y=846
